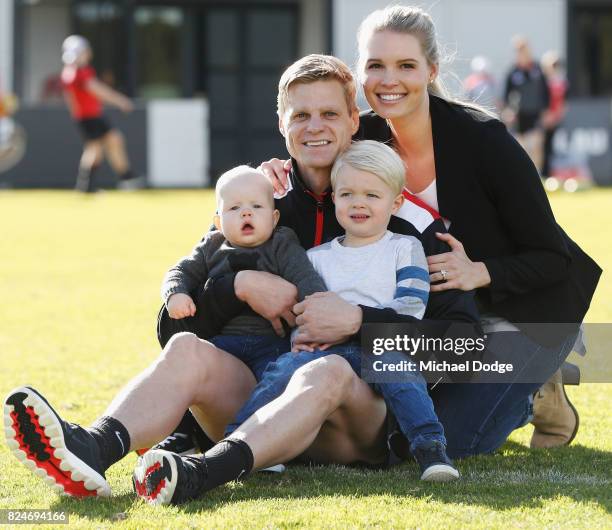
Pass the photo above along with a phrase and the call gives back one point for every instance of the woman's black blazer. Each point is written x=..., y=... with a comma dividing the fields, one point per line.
x=492, y=194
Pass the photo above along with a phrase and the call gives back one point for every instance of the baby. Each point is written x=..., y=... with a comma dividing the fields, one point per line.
x=246, y=239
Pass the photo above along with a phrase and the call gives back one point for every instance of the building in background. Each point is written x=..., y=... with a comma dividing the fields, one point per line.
x=205, y=71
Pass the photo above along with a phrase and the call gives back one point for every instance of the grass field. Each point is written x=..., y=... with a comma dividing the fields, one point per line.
x=79, y=281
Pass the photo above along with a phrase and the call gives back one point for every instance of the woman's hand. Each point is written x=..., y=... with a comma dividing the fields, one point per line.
x=455, y=269
x=276, y=171
x=327, y=319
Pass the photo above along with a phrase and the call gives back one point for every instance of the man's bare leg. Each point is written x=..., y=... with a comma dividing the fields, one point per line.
x=90, y=160
x=73, y=460
x=325, y=409
x=188, y=372
x=92, y=154
x=114, y=146
x=117, y=156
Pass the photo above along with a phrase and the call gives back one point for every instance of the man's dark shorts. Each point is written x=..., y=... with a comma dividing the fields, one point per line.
x=526, y=122
x=93, y=128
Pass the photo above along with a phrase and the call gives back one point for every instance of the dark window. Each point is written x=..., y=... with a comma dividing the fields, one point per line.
x=590, y=49
x=242, y=51
x=158, y=39
x=96, y=20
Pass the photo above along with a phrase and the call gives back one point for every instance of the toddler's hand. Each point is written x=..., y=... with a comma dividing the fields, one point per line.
x=309, y=346
x=181, y=305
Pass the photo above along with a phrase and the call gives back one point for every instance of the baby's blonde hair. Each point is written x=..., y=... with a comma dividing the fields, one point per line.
x=376, y=158
x=237, y=172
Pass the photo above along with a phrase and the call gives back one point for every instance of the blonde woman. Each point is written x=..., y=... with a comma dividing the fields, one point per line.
x=505, y=243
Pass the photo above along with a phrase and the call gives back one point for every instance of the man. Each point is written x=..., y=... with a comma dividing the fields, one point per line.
x=318, y=116
x=526, y=98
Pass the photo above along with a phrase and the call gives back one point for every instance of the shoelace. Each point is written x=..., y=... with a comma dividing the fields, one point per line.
x=440, y=453
x=172, y=438
x=435, y=452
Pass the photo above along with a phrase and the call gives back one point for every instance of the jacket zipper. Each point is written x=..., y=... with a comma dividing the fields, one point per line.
x=319, y=224
x=320, y=216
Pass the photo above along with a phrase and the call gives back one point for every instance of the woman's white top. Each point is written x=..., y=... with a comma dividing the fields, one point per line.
x=430, y=197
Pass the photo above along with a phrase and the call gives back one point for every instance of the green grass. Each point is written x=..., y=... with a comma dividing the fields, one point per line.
x=79, y=281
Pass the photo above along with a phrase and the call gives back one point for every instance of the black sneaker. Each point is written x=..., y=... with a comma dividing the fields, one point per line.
x=180, y=443
x=64, y=454
x=184, y=445
x=161, y=477
x=435, y=465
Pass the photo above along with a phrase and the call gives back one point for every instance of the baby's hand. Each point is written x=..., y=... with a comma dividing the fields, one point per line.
x=181, y=305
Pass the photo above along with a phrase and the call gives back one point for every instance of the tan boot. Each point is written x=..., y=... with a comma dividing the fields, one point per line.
x=554, y=417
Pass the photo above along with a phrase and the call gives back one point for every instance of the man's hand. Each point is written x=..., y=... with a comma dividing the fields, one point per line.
x=268, y=295
x=126, y=106
x=276, y=171
x=181, y=305
x=327, y=319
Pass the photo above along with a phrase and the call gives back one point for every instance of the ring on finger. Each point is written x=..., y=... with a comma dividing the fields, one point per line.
x=443, y=273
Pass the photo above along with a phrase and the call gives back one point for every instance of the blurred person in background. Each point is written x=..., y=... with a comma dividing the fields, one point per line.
x=52, y=90
x=12, y=135
x=480, y=86
x=526, y=99
x=557, y=90
x=84, y=94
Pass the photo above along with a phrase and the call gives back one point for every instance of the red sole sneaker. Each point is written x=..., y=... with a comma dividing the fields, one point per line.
x=35, y=435
x=155, y=477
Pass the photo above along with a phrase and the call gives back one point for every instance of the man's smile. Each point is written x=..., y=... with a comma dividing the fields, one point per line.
x=316, y=143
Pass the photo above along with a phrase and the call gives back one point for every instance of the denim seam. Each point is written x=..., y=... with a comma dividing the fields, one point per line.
x=478, y=436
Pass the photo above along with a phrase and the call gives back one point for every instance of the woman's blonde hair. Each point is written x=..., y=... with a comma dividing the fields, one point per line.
x=413, y=21
x=373, y=157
